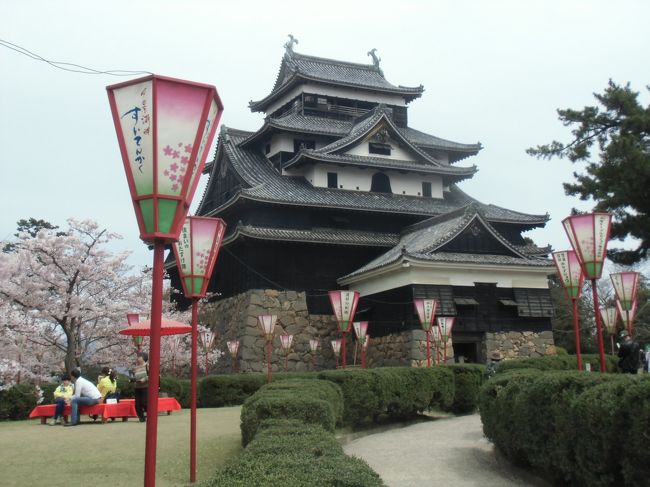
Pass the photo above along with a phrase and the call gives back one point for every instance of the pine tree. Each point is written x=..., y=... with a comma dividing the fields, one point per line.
x=617, y=178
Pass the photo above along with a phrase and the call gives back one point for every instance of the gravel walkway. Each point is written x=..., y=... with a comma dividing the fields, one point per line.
x=447, y=452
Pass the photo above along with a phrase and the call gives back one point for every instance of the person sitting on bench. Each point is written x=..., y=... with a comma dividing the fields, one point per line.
x=62, y=395
x=85, y=394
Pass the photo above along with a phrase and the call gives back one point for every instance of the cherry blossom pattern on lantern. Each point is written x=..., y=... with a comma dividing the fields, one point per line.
x=177, y=163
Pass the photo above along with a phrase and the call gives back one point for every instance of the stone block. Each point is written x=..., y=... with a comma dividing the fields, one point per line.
x=292, y=295
x=272, y=293
x=300, y=306
x=546, y=335
x=255, y=299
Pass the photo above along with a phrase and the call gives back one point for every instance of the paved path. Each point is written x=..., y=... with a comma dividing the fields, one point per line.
x=447, y=452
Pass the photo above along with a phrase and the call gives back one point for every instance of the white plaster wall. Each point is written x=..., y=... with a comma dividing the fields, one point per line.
x=363, y=149
x=280, y=142
x=340, y=92
x=504, y=277
x=357, y=179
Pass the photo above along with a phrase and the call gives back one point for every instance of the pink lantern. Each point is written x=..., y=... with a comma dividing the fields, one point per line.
x=360, y=329
x=445, y=323
x=625, y=285
x=314, y=343
x=572, y=278
x=627, y=316
x=570, y=272
x=196, y=253
x=285, y=344
x=344, y=304
x=336, y=348
x=267, y=325
x=233, y=348
x=207, y=339
x=589, y=235
x=164, y=127
x=609, y=316
x=426, y=309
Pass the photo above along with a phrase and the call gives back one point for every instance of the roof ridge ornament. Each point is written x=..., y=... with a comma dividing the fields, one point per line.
x=375, y=60
x=288, y=46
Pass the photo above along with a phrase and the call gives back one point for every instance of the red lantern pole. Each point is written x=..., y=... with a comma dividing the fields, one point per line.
x=599, y=328
x=344, y=304
x=154, y=364
x=194, y=372
x=576, y=332
x=269, y=372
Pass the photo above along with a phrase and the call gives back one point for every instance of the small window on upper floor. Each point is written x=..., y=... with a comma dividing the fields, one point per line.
x=332, y=180
x=377, y=148
x=426, y=189
x=380, y=183
x=303, y=144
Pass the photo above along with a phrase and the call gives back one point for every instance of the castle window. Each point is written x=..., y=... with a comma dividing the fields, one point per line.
x=380, y=183
x=303, y=144
x=426, y=190
x=377, y=148
x=332, y=180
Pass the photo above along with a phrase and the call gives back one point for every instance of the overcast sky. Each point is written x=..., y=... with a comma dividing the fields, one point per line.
x=493, y=71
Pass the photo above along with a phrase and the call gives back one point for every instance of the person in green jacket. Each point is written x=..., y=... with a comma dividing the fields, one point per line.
x=62, y=395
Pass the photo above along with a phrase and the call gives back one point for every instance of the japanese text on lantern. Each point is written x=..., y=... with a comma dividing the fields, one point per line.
x=141, y=126
x=183, y=246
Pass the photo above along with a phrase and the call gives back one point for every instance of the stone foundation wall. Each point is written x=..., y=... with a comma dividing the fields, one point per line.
x=236, y=318
x=408, y=348
x=520, y=344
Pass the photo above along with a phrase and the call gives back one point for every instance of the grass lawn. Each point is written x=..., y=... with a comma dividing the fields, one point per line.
x=113, y=454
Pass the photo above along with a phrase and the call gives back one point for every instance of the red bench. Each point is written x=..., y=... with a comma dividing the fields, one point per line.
x=122, y=409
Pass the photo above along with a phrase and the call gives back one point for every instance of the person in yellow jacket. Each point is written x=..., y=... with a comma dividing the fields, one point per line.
x=62, y=395
x=107, y=383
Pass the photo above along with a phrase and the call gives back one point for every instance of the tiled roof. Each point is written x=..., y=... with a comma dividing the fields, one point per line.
x=267, y=185
x=421, y=241
x=315, y=235
x=422, y=139
x=310, y=124
x=299, y=67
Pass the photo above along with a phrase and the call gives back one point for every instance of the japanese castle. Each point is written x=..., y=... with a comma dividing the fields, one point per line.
x=336, y=191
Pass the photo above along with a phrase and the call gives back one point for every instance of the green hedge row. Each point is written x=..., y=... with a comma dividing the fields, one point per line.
x=292, y=453
x=310, y=401
x=560, y=362
x=574, y=428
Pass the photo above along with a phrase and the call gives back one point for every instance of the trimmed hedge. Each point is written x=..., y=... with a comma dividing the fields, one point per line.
x=467, y=382
x=574, y=428
x=396, y=392
x=311, y=401
x=17, y=402
x=559, y=362
x=292, y=453
x=232, y=390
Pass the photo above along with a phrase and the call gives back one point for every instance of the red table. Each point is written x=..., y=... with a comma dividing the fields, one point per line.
x=122, y=409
